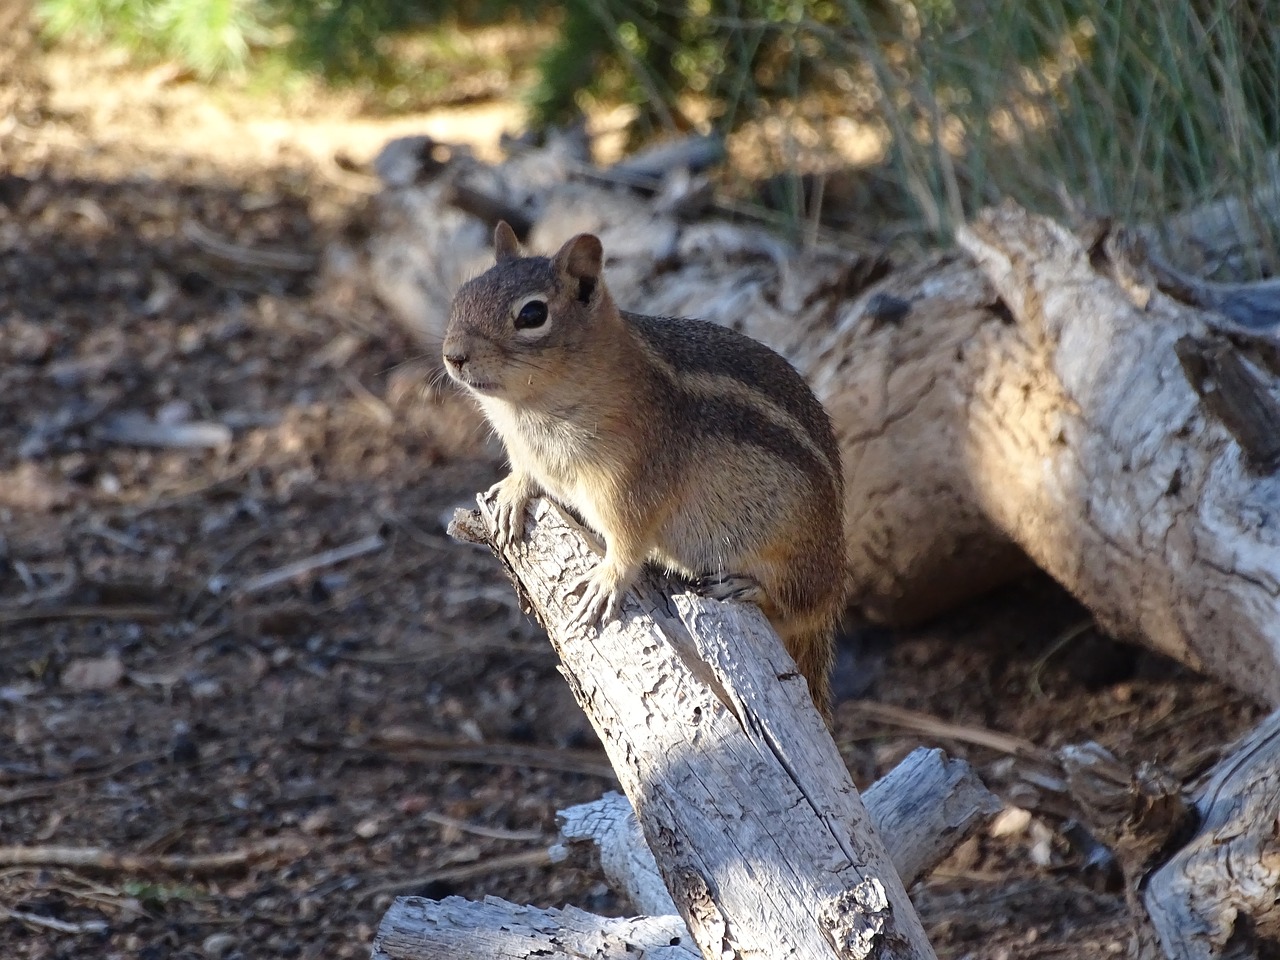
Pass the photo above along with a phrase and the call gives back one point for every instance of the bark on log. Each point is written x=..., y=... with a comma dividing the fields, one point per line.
x=761, y=837
x=1089, y=448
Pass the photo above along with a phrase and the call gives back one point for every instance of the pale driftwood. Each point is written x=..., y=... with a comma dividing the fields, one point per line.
x=922, y=809
x=457, y=929
x=610, y=826
x=741, y=793
x=1090, y=449
x=1215, y=899
x=926, y=806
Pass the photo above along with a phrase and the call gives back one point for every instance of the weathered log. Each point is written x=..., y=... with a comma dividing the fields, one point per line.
x=923, y=808
x=927, y=804
x=493, y=929
x=1215, y=899
x=761, y=837
x=1088, y=447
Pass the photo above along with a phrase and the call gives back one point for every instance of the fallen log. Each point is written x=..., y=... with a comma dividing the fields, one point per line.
x=1215, y=898
x=1087, y=446
x=1201, y=867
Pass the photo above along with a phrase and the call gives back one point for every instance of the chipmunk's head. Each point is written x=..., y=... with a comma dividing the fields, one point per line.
x=518, y=330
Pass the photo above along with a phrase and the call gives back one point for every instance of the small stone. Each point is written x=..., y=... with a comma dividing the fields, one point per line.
x=368, y=828
x=218, y=945
x=1041, y=852
x=1010, y=822
x=93, y=673
x=205, y=688
x=316, y=822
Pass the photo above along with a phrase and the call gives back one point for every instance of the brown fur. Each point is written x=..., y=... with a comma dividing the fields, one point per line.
x=681, y=442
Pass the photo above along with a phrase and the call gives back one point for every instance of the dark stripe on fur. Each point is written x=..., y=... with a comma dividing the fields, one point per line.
x=698, y=346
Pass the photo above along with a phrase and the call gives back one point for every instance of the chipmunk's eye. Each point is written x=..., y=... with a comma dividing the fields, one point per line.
x=532, y=314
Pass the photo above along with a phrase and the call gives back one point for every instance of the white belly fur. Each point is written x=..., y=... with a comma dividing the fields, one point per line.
x=558, y=457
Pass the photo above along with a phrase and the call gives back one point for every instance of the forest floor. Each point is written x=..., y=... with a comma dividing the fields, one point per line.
x=282, y=750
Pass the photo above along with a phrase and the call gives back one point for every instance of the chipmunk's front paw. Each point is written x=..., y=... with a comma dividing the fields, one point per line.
x=602, y=591
x=513, y=495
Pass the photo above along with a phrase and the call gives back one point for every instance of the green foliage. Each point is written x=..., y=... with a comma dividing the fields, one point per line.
x=1130, y=107
x=1126, y=107
x=570, y=65
x=342, y=41
x=735, y=53
x=209, y=36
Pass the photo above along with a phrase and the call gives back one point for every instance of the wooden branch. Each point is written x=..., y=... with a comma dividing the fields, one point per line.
x=760, y=835
x=648, y=168
x=1216, y=897
x=610, y=825
x=1253, y=306
x=494, y=929
x=923, y=809
x=1236, y=394
x=305, y=565
x=100, y=858
x=488, y=209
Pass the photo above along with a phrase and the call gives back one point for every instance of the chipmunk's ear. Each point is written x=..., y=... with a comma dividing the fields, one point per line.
x=580, y=260
x=505, y=244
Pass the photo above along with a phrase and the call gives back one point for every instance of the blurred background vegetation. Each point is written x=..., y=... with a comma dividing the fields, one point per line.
x=1120, y=107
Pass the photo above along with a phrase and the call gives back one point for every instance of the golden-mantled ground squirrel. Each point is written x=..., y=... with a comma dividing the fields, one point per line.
x=680, y=441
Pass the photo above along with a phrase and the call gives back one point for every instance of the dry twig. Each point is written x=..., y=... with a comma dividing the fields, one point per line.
x=100, y=858
x=211, y=243
x=52, y=923
x=325, y=558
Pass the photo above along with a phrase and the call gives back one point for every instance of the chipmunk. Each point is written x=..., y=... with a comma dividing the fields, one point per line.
x=681, y=442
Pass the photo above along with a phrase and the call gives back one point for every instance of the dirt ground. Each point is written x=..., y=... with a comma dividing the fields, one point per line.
x=282, y=755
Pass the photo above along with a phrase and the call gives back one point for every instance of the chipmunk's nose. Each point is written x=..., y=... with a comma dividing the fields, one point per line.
x=455, y=360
